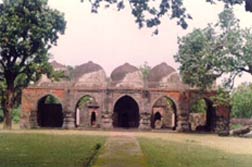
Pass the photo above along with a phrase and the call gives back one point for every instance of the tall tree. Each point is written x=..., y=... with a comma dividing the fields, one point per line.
x=28, y=29
x=150, y=12
x=206, y=54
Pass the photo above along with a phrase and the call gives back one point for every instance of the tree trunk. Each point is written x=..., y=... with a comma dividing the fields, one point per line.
x=7, y=124
x=8, y=104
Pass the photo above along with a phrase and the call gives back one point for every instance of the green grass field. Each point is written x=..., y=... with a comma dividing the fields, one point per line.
x=62, y=148
x=163, y=153
x=45, y=150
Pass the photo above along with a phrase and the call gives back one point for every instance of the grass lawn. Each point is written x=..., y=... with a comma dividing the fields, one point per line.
x=163, y=153
x=47, y=150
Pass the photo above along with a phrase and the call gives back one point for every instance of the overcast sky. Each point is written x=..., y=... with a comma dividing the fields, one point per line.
x=111, y=38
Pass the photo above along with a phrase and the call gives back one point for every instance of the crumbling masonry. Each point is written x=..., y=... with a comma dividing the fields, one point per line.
x=124, y=100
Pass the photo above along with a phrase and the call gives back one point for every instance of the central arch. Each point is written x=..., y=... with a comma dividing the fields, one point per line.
x=126, y=113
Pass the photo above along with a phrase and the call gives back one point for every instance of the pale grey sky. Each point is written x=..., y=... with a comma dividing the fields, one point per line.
x=111, y=38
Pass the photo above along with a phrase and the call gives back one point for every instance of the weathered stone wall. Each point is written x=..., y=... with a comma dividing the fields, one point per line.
x=30, y=99
x=126, y=80
x=106, y=100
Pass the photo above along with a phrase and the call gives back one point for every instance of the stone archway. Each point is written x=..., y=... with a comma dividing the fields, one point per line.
x=126, y=113
x=86, y=112
x=164, y=114
x=204, y=118
x=50, y=112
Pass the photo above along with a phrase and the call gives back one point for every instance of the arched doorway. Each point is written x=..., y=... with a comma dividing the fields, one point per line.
x=202, y=115
x=50, y=112
x=86, y=112
x=164, y=114
x=126, y=113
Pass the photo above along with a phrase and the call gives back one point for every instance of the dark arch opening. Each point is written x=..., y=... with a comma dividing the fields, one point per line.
x=157, y=116
x=126, y=113
x=93, y=118
x=50, y=113
x=202, y=115
x=164, y=111
x=211, y=115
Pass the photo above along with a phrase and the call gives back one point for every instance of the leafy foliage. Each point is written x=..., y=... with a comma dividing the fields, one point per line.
x=242, y=101
x=1, y=115
x=149, y=13
x=145, y=69
x=16, y=114
x=222, y=98
x=84, y=101
x=51, y=100
x=206, y=54
x=28, y=30
x=199, y=106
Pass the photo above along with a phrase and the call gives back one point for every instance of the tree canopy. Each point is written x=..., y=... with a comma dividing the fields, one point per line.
x=209, y=53
x=149, y=13
x=28, y=30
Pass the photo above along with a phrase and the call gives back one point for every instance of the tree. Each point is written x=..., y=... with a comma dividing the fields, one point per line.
x=242, y=101
x=206, y=54
x=28, y=30
x=145, y=70
x=149, y=14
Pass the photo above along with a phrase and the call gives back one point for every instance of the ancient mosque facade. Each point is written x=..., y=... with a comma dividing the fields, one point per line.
x=123, y=100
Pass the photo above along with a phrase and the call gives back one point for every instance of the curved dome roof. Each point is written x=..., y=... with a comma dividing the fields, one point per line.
x=89, y=74
x=164, y=76
x=85, y=68
x=127, y=75
x=120, y=72
x=160, y=71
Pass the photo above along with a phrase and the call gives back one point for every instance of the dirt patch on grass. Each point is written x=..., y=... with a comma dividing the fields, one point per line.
x=121, y=150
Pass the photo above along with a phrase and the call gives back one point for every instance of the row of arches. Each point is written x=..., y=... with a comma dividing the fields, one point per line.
x=126, y=113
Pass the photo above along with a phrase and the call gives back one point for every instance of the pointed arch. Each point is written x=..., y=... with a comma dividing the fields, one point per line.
x=84, y=109
x=126, y=113
x=49, y=112
x=204, y=118
x=166, y=109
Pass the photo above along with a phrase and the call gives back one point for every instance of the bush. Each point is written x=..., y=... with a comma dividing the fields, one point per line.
x=1, y=116
x=199, y=106
x=16, y=114
x=242, y=101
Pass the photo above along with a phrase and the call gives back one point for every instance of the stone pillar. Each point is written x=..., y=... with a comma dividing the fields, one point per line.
x=33, y=119
x=107, y=120
x=107, y=113
x=145, y=123
x=222, y=118
x=69, y=116
x=68, y=120
x=28, y=120
x=145, y=112
x=182, y=122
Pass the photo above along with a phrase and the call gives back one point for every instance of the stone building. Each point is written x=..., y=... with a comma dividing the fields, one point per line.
x=123, y=100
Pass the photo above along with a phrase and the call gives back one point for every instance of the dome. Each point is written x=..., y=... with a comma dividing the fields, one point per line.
x=164, y=76
x=89, y=75
x=160, y=71
x=127, y=75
